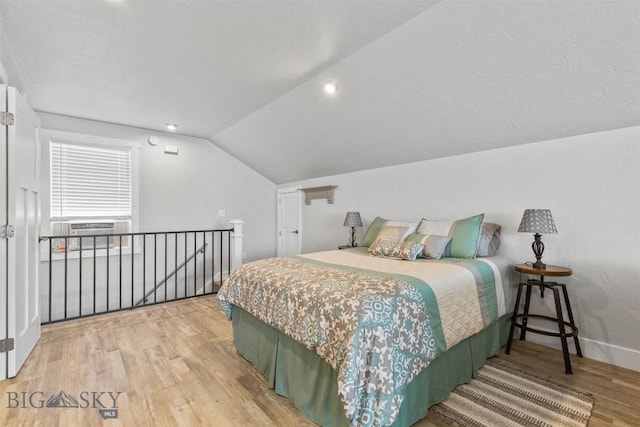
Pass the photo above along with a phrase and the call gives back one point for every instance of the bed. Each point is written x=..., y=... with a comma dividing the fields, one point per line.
x=353, y=339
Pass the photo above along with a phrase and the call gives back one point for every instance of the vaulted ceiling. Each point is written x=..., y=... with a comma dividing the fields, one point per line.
x=416, y=79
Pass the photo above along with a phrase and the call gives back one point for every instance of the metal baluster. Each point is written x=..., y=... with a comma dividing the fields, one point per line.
x=213, y=262
x=66, y=251
x=94, y=274
x=144, y=268
x=50, y=277
x=204, y=263
x=186, y=266
x=80, y=279
x=155, y=265
x=175, y=264
x=165, y=267
x=120, y=272
x=107, y=278
x=132, y=264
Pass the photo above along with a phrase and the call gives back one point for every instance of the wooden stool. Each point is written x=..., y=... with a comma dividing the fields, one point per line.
x=551, y=270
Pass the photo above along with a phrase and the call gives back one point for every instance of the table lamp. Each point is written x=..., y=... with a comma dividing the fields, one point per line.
x=538, y=221
x=353, y=220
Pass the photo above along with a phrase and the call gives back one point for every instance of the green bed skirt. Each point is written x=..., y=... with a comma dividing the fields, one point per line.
x=311, y=384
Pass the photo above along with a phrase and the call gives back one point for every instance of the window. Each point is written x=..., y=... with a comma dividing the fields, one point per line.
x=92, y=189
x=90, y=182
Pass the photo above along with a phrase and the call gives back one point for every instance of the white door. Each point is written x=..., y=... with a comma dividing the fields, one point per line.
x=289, y=221
x=4, y=243
x=21, y=255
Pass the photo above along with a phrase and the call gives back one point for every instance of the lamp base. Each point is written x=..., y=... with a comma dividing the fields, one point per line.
x=539, y=264
x=352, y=241
x=538, y=249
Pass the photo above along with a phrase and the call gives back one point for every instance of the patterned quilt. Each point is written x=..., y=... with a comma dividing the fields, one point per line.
x=378, y=322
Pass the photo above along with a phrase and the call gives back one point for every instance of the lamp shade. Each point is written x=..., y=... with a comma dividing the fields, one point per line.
x=537, y=221
x=353, y=220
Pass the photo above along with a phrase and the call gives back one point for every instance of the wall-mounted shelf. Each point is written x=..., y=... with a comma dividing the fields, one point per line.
x=316, y=193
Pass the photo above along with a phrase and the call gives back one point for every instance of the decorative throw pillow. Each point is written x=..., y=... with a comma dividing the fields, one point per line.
x=401, y=250
x=489, y=239
x=464, y=233
x=382, y=248
x=395, y=231
x=434, y=246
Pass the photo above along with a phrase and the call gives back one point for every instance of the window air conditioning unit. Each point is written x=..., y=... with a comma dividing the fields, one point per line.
x=81, y=230
x=97, y=229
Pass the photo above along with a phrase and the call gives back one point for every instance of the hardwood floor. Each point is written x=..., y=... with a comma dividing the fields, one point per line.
x=175, y=364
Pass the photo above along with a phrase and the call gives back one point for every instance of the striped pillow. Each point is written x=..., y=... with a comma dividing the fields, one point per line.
x=434, y=246
x=464, y=233
x=489, y=239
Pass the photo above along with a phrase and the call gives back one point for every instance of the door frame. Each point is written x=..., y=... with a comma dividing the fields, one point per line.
x=279, y=193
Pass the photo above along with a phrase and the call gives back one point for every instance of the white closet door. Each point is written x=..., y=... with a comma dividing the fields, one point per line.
x=22, y=166
x=289, y=222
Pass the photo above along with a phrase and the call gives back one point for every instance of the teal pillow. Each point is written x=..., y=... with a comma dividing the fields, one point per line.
x=373, y=231
x=466, y=236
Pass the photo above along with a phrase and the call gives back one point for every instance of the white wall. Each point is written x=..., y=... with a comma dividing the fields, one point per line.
x=590, y=182
x=185, y=192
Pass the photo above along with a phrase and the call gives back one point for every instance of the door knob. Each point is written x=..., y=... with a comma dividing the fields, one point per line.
x=294, y=231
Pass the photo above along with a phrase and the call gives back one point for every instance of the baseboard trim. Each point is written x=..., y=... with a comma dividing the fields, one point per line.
x=597, y=350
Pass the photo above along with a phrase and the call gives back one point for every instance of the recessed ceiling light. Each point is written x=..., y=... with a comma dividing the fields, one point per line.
x=330, y=87
x=171, y=126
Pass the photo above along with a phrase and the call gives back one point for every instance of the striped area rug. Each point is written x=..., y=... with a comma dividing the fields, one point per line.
x=504, y=396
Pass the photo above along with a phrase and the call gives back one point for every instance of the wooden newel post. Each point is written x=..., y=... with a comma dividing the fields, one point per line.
x=236, y=244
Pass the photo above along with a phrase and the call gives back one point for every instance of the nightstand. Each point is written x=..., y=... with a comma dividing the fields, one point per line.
x=562, y=325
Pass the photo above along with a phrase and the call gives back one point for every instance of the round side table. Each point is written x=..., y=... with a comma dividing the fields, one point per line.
x=565, y=328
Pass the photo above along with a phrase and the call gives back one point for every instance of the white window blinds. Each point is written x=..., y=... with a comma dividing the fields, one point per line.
x=90, y=181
